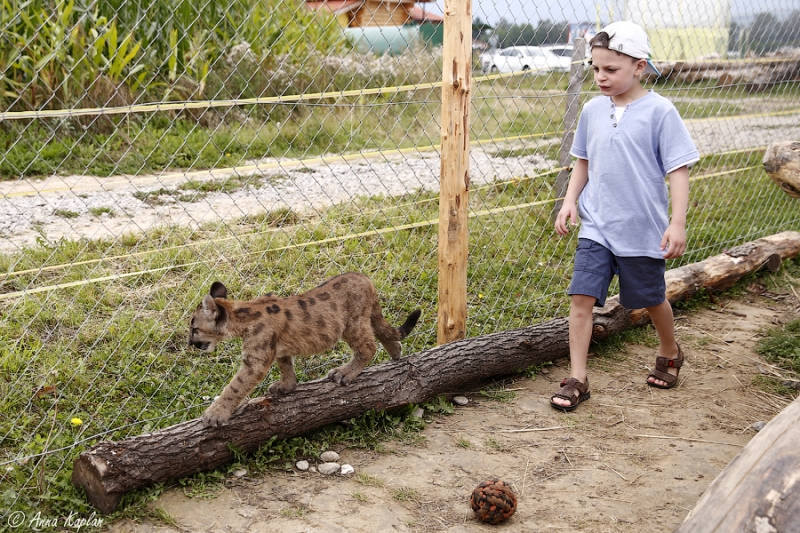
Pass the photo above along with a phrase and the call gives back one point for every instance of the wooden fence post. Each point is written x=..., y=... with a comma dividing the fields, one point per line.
x=570, y=120
x=454, y=176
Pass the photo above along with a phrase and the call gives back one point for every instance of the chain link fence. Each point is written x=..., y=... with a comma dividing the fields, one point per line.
x=149, y=149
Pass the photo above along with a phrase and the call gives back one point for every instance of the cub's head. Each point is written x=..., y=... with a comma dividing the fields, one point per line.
x=207, y=326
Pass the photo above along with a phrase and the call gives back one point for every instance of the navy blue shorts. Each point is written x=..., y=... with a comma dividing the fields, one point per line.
x=641, y=279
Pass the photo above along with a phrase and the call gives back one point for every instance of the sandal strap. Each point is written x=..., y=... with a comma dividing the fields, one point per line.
x=663, y=376
x=662, y=363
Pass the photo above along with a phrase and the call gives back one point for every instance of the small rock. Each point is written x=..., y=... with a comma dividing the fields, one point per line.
x=328, y=468
x=347, y=470
x=329, y=457
x=460, y=400
x=240, y=472
x=418, y=413
x=544, y=371
x=302, y=465
x=758, y=426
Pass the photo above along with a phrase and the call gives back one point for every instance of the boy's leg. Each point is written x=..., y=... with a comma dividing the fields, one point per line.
x=591, y=275
x=641, y=283
x=580, y=335
x=663, y=321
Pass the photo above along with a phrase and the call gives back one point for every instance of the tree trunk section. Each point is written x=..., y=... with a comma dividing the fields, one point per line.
x=782, y=163
x=110, y=469
x=759, y=491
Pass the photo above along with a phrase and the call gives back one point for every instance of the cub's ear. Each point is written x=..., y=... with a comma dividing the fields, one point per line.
x=218, y=290
x=210, y=307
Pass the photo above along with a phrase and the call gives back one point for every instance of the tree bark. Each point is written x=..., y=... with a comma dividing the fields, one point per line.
x=110, y=469
x=758, y=490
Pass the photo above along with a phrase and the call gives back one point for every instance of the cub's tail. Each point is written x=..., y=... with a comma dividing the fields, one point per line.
x=390, y=336
x=409, y=324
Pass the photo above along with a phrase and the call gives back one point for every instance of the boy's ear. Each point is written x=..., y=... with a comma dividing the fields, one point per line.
x=641, y=64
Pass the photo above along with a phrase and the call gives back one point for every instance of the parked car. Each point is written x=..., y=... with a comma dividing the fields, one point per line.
x=523, y=58
x=565, y=50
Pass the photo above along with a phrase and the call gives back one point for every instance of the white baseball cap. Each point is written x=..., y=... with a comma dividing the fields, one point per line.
x=629, y=38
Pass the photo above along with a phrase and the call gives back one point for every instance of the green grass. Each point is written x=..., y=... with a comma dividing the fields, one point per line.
x=782, y=346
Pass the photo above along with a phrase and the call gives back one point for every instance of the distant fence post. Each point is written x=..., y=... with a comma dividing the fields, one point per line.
x=454, y=176
x=570, y=119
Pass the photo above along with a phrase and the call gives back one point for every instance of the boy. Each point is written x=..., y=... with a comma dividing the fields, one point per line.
x=627, y=140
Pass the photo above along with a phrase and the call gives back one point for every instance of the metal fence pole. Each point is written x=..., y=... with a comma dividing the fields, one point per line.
x=570, y=120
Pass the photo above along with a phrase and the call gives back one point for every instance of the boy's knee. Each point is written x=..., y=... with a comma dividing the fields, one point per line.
x=582, y=303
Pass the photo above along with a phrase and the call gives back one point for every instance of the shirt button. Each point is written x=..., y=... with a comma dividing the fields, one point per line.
x=612, y=116
x=615, y=125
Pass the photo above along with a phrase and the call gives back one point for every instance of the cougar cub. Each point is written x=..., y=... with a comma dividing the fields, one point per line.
x=276, y=329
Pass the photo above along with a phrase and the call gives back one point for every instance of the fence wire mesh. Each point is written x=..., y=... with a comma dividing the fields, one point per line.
x=149, y=149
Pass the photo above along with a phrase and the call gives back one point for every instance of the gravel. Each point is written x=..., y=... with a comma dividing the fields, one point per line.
x=93, y=208
x=76, y=207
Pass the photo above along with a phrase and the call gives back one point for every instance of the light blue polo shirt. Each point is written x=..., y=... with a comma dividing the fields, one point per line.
x=625, y=202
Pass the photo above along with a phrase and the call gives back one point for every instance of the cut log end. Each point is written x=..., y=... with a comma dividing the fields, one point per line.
x=86, y=475
x=773, y=263
x=782, y=164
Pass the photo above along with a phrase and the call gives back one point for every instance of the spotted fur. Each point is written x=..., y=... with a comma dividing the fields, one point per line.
x=276, y=329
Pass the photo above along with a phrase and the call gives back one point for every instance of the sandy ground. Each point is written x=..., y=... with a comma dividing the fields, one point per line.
x=632, y=458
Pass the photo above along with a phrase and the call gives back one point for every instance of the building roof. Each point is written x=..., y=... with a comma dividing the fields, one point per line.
x=344, y=6
x=420, y=15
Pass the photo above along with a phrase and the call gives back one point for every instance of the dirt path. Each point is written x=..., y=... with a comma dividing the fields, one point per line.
x=631, y=459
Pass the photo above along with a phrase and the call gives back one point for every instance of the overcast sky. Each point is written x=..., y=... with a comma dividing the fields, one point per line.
x=533, y=11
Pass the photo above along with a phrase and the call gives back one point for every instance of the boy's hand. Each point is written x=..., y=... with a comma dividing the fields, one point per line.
x=676, y=237
x=568, y=212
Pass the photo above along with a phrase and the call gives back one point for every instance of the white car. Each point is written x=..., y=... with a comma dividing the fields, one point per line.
x=523, y=58
x=565, y=50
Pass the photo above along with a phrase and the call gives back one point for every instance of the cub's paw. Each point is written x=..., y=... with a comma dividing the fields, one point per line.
x=337, y=376
x=216, y=416
x=281, y=388
x=341, y=376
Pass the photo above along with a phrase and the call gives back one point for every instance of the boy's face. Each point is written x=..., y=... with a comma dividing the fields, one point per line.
x=614, y=73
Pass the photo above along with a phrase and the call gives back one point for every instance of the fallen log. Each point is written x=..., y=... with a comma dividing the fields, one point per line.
x=759, y=490
x=716, y=273
x=110, y=469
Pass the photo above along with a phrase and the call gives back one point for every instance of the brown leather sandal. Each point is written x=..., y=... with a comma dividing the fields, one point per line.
x=661, y=372
x=573, y=391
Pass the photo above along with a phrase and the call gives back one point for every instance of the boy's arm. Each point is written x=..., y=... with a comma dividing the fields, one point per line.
x=674, y=239
x=569, y=210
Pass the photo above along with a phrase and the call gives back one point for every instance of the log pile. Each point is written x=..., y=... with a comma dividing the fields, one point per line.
x=756, y=74
x=110, y=469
